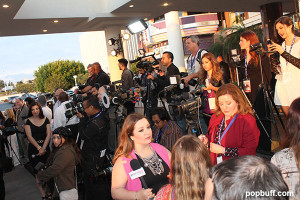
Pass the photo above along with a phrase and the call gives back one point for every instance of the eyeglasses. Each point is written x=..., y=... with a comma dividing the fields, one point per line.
x=86, y=107
x=156, y=122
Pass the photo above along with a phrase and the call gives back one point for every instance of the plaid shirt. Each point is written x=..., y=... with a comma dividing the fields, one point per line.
x=169, y=135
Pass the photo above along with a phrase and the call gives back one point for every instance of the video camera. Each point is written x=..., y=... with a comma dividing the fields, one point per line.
x=118, y=96
x=145, y=64
x=182, y=101
x=74, y=106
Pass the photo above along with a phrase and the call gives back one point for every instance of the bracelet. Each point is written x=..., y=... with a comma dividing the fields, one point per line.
x=39, y=147
x=135, y=196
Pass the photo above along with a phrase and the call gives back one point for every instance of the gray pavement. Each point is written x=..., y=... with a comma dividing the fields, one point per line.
x=20, y=185
x=3, y=106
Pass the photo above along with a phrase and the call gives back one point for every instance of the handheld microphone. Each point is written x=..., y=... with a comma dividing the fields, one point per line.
x=135, y=165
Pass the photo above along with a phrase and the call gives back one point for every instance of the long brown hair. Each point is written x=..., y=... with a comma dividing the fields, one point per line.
x=285, y=21
x=125, y=143
x=217, y=73
x=237, y=96
x=252, y=37
x=190, y=165
x=292, y=135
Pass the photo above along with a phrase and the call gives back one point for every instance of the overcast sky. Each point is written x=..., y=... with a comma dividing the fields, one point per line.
x=21, y=55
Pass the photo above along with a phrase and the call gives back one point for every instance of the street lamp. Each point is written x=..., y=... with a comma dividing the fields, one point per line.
x=75, y=79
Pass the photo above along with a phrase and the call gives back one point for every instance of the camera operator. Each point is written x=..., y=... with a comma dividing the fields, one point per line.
x=60, y=118
x=93, y=129
x=146, y=69
x=99, y=76
x=127, y=82
x=22, y=114
x=194, y=60
x=113, y=121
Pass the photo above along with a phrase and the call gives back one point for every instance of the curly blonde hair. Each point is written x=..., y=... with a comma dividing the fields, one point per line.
x=190, y=165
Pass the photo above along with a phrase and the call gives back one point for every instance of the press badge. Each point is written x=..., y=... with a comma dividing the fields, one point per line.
x=247, y=85
x=137, y=173
x=219, y=159
x=212, y=103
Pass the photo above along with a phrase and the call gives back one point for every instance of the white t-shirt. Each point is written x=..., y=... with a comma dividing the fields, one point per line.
x=60, y=118
x=47, y=113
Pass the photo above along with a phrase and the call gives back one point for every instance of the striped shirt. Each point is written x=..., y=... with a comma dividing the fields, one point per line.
x=168, y=135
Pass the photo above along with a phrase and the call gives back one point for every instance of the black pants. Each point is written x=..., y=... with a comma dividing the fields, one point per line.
x=96, y=188
x=263, y=112
x=2, y=187
x=129, y=107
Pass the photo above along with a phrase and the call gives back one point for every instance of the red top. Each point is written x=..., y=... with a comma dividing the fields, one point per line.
x=243, y=135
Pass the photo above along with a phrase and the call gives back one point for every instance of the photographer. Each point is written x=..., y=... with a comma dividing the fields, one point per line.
x=66, y=155
x=99, y=76
x=127, y=82
x=60, y=118
x=167, y=61
x=93, y=129
x=145, y=71
x=114, y=120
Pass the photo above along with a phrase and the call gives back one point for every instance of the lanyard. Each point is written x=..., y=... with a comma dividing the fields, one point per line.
x=290, y=48
x=193, y=59
x=93, y=118
x=246, y=66
x=159, y=133
x=226, y=130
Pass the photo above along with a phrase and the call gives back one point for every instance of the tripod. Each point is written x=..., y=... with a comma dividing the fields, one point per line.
x=267, y=97
x=268, y=102
x=7, y=143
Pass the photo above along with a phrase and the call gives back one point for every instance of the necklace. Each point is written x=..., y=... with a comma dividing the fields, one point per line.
x=153, y=163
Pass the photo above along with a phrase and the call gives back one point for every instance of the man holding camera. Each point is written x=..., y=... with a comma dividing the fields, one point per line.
x=98, y=76
x=93, y=129
x=194, y=60
x=127, y=82
x=166, y=60
x=60, y=118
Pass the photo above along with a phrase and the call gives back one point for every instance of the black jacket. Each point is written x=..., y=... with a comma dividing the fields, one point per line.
x=102, y=78
x=94, y=132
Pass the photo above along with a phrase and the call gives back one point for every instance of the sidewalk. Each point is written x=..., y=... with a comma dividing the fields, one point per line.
x=20, y=185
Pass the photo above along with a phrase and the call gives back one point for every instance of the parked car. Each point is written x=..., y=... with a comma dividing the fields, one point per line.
x=12, y=99
x=24, y=96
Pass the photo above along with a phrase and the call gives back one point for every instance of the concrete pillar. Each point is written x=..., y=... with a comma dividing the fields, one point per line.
x=269, y=13
x=115, y=72
x=175, y=38
x=125, y=47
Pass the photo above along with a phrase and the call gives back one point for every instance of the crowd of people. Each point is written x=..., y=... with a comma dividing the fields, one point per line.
x=155, y=157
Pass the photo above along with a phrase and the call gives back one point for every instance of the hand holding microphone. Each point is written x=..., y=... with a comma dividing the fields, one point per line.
x=146, y=193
